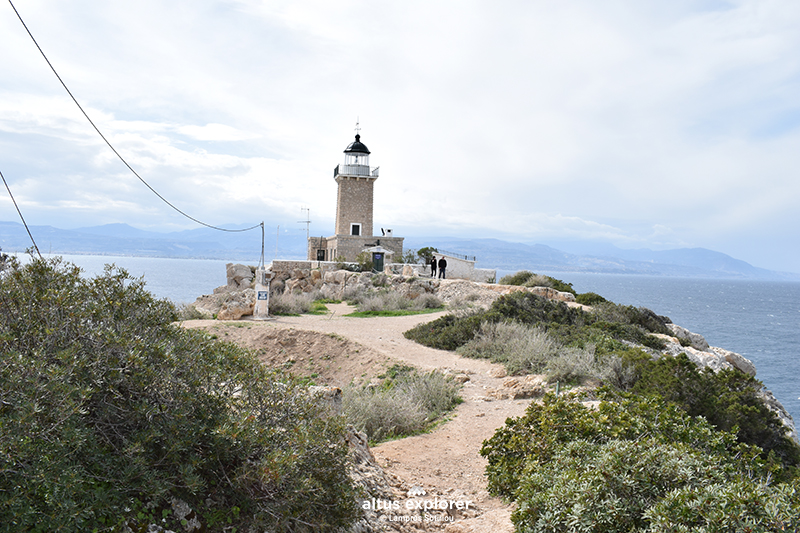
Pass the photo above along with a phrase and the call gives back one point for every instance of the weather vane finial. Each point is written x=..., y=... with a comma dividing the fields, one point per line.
x=358, y=128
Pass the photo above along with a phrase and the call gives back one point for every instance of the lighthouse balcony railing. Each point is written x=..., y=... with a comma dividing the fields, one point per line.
x=355, y=170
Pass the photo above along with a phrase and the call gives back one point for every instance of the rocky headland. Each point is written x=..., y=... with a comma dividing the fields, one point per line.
x=443, y=465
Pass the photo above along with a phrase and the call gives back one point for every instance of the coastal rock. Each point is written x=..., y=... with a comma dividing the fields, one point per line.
x=698, y=342
x=703, y=359
x=776, y=407
x=239, y=276
x=712, y=357
x=208, y=304
x=544, y=292
x=736, y=360
x=552, y=294
x=237, y=304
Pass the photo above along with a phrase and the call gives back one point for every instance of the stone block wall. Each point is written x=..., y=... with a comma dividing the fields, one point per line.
x=349, y=246
x=354, y=204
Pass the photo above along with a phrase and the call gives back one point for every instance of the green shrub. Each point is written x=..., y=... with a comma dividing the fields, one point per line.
x=526, y=278
x=728, y=399
x=642, y=317
x=446, y=333
x=518, y=278
x=532, y=309
x=109, y=411
x=621, y=486
x=364, y=262
x=567, y=326
x=637, y=464
x=546, y=427
x=606, y=487
x=633, y=464
x=740, y=506
x=589, y=298
x=405, y=403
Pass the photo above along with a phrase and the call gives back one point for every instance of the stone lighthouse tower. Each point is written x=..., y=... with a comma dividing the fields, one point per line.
x=355, y=182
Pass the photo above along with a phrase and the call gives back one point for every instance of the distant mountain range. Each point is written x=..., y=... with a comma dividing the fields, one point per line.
x=604, y=258
x=206, y=243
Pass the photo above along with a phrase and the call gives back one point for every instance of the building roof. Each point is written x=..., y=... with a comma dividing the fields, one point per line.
x=357, y=146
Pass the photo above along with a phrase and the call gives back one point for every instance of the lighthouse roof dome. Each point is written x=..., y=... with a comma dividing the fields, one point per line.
x=357, y=146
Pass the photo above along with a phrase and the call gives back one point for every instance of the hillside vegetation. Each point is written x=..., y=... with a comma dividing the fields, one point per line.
x=111, y=416
x=663, y=431
x=633, y=464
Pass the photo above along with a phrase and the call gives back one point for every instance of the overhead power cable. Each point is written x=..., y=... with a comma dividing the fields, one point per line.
x=23, y=218
x=111, y=146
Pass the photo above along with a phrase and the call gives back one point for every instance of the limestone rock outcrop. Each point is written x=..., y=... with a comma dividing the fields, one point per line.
x=233, y=300
x=239, y=276
x=697, y=341
x=544, y=292
x=703, y=355
x=237, y=304
x=776, y=407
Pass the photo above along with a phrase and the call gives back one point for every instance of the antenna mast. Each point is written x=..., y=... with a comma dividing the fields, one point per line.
x=307, y=221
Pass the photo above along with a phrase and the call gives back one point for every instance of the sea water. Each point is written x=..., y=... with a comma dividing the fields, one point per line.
x=758, y=319
x=180, y=280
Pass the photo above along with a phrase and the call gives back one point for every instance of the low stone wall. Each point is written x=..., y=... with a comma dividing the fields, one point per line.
x=484, y=275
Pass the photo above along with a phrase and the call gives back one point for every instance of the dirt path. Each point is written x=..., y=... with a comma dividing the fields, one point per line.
x=444, y=462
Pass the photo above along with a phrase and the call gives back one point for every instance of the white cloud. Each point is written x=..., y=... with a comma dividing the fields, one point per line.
x=215, y=132
x=650, y=124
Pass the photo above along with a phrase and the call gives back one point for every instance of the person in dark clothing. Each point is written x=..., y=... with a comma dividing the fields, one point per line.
x=433, y=266
x=442, y=266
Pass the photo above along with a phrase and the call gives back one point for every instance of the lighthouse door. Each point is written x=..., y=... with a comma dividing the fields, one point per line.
x=377, y=261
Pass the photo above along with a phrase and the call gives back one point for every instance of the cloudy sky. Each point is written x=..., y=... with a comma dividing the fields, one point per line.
x=641, y=123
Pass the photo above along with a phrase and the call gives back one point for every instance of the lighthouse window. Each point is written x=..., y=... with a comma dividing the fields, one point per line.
x=355, y=229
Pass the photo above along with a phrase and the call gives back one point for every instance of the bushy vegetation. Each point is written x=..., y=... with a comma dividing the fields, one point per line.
x=108, y=412
x=526, y=278
x=529, y=334
x=383, y=301
x=406, y=402
x=293, y=303
x=666, y=435
x=728, y=399
x=589, y=298
x=364, y=262
x=604, y=330
x=633, y=464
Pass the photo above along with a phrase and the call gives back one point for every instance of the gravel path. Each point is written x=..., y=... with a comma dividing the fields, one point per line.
x=446, y=461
